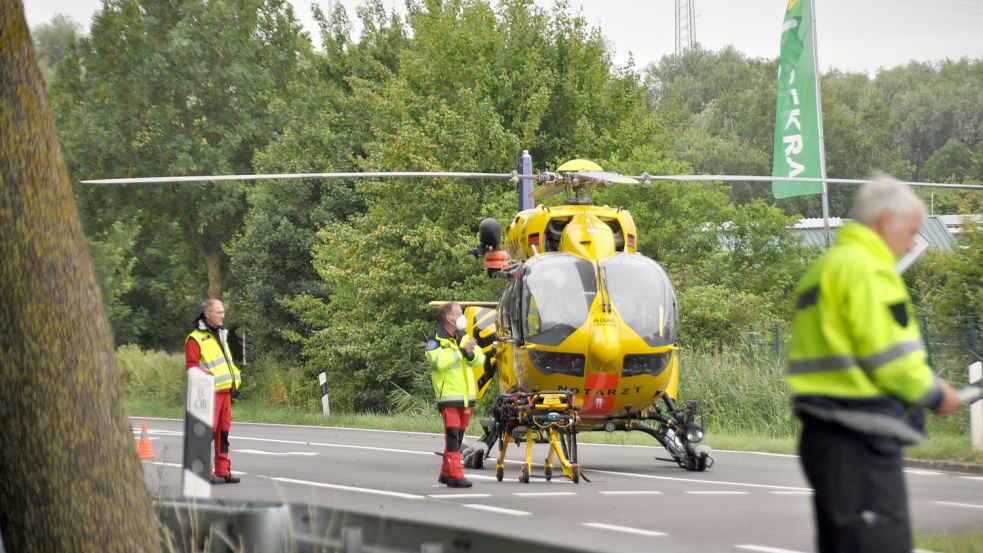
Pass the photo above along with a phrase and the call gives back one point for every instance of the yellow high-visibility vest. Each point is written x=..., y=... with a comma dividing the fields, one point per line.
x=856, y=355
x=212, y=359
x=452, y=373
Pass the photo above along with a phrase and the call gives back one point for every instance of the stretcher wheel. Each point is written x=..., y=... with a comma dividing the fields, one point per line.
x=524, y=475
x=500, y=473
x=576, y=474
x=549, y=473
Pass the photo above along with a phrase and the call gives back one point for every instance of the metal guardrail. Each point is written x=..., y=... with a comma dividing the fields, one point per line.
x=215, y=526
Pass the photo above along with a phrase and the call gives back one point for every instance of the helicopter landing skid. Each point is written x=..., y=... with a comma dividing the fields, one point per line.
x=540, y=417
x=678, y=432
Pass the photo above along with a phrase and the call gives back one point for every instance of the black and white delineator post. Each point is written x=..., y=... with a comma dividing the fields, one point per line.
x=198, y=416
x=323, y=381
x=975, y=407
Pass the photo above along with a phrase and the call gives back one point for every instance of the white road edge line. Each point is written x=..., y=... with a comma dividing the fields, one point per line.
x=500, y=510
x=625, y=529
x=791, y=493
x=763, y=549
x=964, y=505
x=715, y=492
x=369, y=491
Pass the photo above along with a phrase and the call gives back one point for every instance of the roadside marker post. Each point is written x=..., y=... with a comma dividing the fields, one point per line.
x=323, y=381
x=198, y=416
x=976, y=409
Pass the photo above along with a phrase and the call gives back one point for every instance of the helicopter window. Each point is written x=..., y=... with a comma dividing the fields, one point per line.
x=641, y=292
x=557, y=296
x=619, y=235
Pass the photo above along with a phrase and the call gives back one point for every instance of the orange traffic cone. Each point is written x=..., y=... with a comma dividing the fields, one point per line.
x=144, y=451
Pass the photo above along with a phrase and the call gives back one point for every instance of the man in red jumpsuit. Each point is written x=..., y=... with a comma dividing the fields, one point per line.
x=207, y=349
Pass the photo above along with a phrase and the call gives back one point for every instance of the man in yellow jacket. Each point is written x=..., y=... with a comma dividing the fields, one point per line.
x=207, y=349
x=859, y=376
x=453, y=354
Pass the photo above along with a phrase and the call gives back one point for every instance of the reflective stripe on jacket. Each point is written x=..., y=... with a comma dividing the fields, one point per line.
x=214, y=361
x=856, y=355
x=452, y=373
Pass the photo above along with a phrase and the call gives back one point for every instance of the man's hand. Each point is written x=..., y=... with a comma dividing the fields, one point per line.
x=950, y=399
x=469, y=347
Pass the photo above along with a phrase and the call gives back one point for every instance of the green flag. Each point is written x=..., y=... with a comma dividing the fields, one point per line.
x=798, y=147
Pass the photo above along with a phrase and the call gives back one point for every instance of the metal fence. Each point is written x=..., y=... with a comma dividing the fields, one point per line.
x=951, y=344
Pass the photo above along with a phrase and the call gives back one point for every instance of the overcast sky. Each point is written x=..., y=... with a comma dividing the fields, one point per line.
x=854, y=35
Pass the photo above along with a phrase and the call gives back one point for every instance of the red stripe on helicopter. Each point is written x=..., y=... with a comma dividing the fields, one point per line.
x=596, y=396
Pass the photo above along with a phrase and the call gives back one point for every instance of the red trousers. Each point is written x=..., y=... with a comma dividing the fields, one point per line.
x=456, y=421
x=221, y=426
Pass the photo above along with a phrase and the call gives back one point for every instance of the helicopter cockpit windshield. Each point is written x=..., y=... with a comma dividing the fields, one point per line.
x=559, y=290
x=641, y=292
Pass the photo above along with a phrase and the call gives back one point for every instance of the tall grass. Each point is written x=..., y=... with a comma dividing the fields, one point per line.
x=735, y=395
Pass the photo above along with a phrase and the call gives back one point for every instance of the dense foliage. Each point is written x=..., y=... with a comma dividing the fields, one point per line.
x=336, y=276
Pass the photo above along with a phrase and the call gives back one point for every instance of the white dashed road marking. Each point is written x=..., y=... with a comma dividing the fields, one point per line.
x=458, y=495
x=764, y=549
x=343, y=488
x=499, y=510
x=708, y=492
x=632, y=492
x=542, y=494
x=790, y=493
x=261, y=452
x=963, y=505
x=625, y=529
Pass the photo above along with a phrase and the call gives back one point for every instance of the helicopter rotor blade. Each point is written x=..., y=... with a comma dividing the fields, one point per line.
x=607, y=178
x=752, y=178
x=548, y=189
x=513, y=176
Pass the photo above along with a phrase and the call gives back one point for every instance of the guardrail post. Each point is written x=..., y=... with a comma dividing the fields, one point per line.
x=976, y=409
x=198, y=415
x=323, y=380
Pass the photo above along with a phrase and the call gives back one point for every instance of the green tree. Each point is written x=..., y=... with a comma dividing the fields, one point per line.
x=52, y=41
x=475, y=87
x=165, y=88
x=70, y=479
x=325, y=131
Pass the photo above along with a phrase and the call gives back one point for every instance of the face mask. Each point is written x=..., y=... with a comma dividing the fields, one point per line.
x=461, y=323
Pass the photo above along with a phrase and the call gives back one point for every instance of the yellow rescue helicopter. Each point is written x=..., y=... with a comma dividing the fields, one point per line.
x=584, y=337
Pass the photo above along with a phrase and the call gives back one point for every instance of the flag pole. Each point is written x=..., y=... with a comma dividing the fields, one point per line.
x=819, y=115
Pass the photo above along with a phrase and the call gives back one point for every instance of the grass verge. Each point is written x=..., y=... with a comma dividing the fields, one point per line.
x=967, y=541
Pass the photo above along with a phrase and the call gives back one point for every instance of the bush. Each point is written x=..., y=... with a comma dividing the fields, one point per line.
x=151, y=374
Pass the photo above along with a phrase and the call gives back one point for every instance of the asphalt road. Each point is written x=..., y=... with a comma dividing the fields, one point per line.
x=745, y=502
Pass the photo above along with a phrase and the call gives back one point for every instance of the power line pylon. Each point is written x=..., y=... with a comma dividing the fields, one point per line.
x=685, y=26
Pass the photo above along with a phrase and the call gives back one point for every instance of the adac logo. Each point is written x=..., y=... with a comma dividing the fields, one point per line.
x=602, y=320
x=791, y=5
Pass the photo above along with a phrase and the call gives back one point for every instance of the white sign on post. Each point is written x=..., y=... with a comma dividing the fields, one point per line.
x=199, y=412
x=921, y=244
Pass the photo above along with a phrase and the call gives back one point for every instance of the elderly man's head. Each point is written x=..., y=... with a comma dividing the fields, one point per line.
x=892, y=210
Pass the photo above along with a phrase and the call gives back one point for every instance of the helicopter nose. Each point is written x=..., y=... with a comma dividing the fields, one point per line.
x=605, y=343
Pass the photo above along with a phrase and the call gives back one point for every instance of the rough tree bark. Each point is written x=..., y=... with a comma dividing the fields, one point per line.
x=70, y=479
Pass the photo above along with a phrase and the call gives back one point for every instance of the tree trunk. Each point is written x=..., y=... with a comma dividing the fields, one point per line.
x=213, y=261
x=71, y=480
